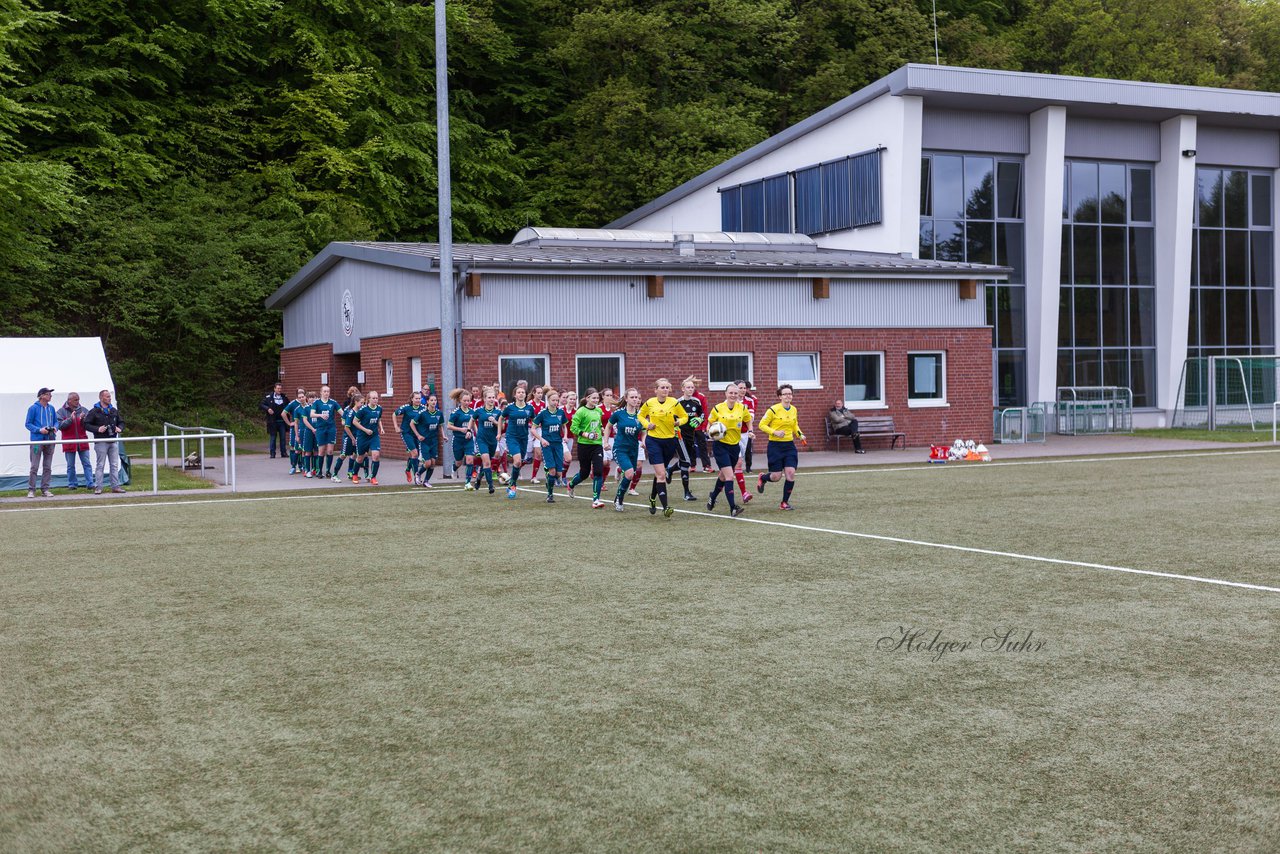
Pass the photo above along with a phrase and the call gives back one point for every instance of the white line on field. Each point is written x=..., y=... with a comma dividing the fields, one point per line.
x=951, y=547
x=116, y=504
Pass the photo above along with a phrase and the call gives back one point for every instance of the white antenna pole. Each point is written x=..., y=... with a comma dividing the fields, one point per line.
x=935, y=33
x=449, y=378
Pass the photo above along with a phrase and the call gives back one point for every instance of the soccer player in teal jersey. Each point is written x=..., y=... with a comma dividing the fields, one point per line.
x=324, y=417
x=485, y=429
x=347, y=453
x=460, y=429
x=515, y=421
x=426, y=428
x=548, y=432
x=403, y=419
x=308, y=434
x=368, y=429
x=295, y=438
x=627, y=430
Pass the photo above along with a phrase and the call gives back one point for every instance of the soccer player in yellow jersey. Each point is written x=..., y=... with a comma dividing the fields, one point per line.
x=735, y=417
x=662, y=416
x=781, y=423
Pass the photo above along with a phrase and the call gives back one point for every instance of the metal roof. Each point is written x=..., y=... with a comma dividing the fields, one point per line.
x=1009, y=91
x=800, y=260
x=600, y=237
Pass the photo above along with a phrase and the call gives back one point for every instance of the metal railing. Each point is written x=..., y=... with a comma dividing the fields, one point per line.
x=1093, y=410
x=182, y=435
x=228, y=452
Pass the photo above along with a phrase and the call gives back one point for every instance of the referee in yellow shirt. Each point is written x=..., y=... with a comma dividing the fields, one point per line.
x=781, y=423
x=662, y=416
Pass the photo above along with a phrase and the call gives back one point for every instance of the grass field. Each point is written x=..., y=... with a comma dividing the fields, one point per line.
x=448, y=671
x=168, y=479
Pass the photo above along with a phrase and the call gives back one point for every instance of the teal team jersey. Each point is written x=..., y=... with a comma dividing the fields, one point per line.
x=369, y=416
x=325, y=412
x=407, y=413
x=551, y=424
x=428, y=424
x=486, y=423
x=518, y=420
x=461, y=418
x=292, y=408
x=348, y=415
x=627, y=437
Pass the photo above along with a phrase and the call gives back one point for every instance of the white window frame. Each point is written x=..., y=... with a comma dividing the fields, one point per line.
x=879, y=403
x=546, y=367
x=415, y=373
x=924, y=403
x=388, y=374
x=618, y=392
x=816, y=382
x=751, y=370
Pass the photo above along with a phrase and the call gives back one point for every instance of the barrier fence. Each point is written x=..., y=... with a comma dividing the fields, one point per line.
x=228, y=451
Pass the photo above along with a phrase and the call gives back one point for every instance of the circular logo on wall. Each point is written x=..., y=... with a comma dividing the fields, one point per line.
x=348, y=313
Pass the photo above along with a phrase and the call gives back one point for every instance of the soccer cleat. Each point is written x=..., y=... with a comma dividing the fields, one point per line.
x=408, y=476
x=760, y=483
x=746, y=497
x=668, y=512
x=735, y=512
x=355, y=478
x=336, y=479
x=491, y=489
x=706, y=469
x=469, y=486
x=568, y=490
x=785, y=506
x=426, y=484
x=293, y=469
x=689, y=496
x=551, y=499
x=308, y=474
x=617, y=505
x=373, y=481
x=511, y=493
x=596, y=504
x=31, y=493
x=534, y=480
x=653, y=506
x=711, y=504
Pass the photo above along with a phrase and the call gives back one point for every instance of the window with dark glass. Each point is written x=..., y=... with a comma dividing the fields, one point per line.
x=971, y=209
x=1232, y=285
x=832, y=196
x=1106, y=306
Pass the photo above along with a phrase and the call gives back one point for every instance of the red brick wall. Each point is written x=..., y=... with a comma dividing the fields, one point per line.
x=676, y=354
x=304, y=365
x=400, y=349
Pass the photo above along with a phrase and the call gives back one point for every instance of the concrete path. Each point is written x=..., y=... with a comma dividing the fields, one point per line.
x=257, y=472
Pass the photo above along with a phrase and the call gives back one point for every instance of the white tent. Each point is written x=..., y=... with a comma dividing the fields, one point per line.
x=62, y=364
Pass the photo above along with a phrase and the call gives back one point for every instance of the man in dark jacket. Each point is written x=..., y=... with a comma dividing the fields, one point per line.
x=844, y=424
x=104, y=422
x=272, y=407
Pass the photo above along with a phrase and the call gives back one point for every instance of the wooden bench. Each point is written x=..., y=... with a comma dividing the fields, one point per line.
x=873, y=427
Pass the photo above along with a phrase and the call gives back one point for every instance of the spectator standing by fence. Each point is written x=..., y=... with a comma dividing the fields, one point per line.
x=104, y=422
x=71, y=423
x=42, y=425
x=272, y=407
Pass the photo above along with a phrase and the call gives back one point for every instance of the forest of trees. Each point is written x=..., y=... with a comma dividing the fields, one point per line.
x=166, y=164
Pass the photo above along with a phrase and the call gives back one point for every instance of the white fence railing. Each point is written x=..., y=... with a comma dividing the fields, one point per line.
x=228, y=451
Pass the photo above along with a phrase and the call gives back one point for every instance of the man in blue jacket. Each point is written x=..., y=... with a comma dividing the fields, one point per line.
x=42, y=425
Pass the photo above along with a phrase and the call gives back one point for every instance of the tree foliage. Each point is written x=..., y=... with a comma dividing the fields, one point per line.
x=166, y=164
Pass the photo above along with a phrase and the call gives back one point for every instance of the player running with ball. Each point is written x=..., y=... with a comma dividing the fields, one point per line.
x=662, y=416
x=728, y=420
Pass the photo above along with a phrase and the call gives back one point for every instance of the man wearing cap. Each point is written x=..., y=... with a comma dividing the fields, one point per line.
x=104, y=422
x=42, y=425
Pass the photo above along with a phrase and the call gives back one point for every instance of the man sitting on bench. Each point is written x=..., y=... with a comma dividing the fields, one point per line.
x=844, y=424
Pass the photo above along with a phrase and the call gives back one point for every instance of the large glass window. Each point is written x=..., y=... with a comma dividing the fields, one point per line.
x=926, y=379
x=1232, y=285
x=725, y=368
x=971, y=209
x=1106, y=308
x=600, y=372
x=531, y=369
x=799, y=369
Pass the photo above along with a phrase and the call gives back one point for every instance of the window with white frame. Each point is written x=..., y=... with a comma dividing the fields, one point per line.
x=863, y=380
x=926, y=379
x=415, y=374
x=388, y=373
x=725, y=368
x=532, y=369
x=601, y=371
x=799, y=369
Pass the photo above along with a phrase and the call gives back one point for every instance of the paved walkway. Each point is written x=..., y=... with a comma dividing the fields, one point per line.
x=256, y=472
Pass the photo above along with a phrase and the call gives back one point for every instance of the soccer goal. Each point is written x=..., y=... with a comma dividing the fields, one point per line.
x=1228, y=391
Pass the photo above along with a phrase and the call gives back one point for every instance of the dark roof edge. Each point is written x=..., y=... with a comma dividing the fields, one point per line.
x=867, y=93
x=329, y=256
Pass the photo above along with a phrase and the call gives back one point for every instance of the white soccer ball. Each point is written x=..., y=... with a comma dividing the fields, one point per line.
x=717, y=430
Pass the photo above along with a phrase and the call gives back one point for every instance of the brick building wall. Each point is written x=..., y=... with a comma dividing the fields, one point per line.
x=303, y=366
x=675, y=354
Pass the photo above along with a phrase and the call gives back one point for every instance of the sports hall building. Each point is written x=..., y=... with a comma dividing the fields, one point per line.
x=943, y=241
x=896, y=335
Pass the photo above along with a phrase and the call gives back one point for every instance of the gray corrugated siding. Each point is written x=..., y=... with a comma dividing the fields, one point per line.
x=1259, y=149
x=387, y=301
x=962, y=130
x=575, y=302
x=1104, y=139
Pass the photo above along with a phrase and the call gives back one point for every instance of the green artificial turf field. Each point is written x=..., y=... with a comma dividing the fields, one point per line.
x=448, y=671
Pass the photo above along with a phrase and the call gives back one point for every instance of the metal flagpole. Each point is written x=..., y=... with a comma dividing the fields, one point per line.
x=448, y=293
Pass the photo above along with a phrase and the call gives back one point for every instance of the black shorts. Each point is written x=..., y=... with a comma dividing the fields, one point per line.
x=662, y=451
x=726, y=455
x=782, y=455
x=591, y=458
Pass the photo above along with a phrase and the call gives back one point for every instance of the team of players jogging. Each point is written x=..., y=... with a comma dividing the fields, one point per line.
x=485, y=431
